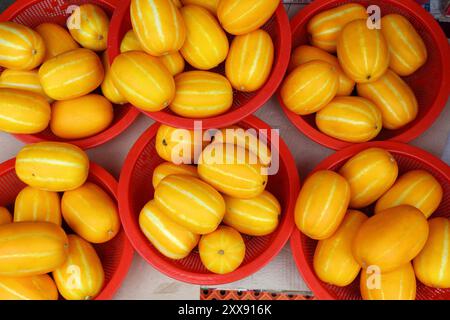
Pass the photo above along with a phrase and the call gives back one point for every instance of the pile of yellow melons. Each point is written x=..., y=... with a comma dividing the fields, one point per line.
x=372, y=59
x=33, y=242
x=149, y=72
x=49, y=80
x=389, y=249
x=191, y=202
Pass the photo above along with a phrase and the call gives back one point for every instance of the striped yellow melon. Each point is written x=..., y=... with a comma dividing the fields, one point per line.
x=37, y=205
x=240, y=17
x=130, y=42
x=191, y=203
x=5, y=216
x=178, y=145
x=177, y=3
x=57, y=39
x=89, y=26
x=23, y=112
x=304, y=54
x=211, y=5
x=52, y=166
x=81, y=117
x=321, y=204
x=158, y=26
x=170, y=238
x=143, y=80
x=362, y=52
x=256, y=216
x=31, y=248
x=390, y=238
x=325, y=27
x=399, y=284
x=250, y=61
x=206, y=43
x=174, y=62
x=245, y=138
x=222, y=251
x=91, y=213
x=351, y=119
x=72, y=74
x=108, y=86
x=168, y=168
x=333, y=258
x=370, y=174
x=201, y=94
x=81, y=277
x=393, y=97
x=22, y=80
x=232, y=170
x=408, y=51
x=20, y=47
x=310, y=87
x=416, y=188
x=432, y=265
x=40, y=287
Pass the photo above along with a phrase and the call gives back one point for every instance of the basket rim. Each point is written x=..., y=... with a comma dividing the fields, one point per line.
x=111, y=186
x=149, y=253
x=422, y=124
x=231, y=117
x=297, y=237
x=130, y=114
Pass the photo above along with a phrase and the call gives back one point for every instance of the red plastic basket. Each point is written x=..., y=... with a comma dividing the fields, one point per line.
x=116, y=255
x=408, y=158
x=244, y=104
x=135, y=190
x=431, y=83
x=34, y=12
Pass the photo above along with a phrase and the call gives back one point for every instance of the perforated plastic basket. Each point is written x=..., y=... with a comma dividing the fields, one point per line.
x=408, y=158
x=34, y=12
x=244, y=104
x=431, y=83
x=116, y=255
x=135, y=190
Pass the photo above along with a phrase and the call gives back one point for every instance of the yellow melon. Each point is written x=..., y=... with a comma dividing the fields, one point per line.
x=256, y=216
x=304, y=54
x=370, y=174
x=362, y=52
x=81, y=277
x=21, y=48
x=408, y=51
x=333, y=258
x=109, y=89
x=23, y=112
x=399, y=284
x=325, y=27
x=31, y=248
x=5, y=216
x=211, y=5
x=89, y=26
x=391, y=238
x=158, y=26
x=71, y=74
x=174, y=62
x=250, y=60
x=177, y=3
x=168, y=168
x=206, y=44
x=201, y=94
x=321, y=204
x=52, y=166
x=37, y=205
x=143, y=80
x=393, y=97
x=351, y=119
x=171, y=239
x=41, y=287
x=240, y=17
x=91, y=213
x=130, y=42
x=22, y=80
x=432, y=265
x=191, y=203
x=222, y=251
x=57, y=39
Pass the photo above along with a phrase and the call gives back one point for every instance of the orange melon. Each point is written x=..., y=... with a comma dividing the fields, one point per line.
x=56, y=38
